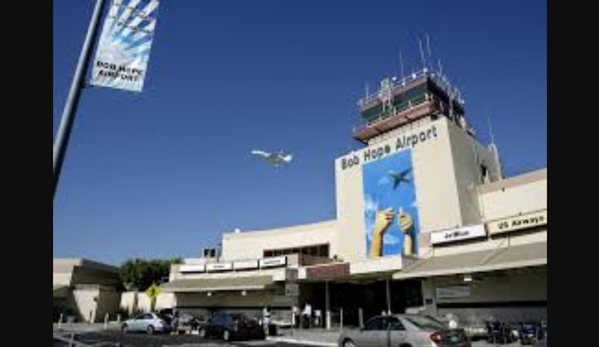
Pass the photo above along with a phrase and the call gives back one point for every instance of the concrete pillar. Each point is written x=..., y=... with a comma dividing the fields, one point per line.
x=429, y=296
x=361, y=317
x=328, y=305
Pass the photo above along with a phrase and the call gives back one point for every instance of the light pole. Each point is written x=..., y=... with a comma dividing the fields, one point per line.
x=70, y=110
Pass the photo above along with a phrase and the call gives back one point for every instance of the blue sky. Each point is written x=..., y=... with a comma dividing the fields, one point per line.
x=165, y=173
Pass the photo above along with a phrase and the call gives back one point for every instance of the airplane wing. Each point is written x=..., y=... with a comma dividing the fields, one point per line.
x=261, y=153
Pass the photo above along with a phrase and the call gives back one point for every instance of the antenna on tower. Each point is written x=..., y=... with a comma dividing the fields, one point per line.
x=493, y=146
x=422, y=53
x=440, y=67
x=428, y=48
x=401, y=65
x=491, y=135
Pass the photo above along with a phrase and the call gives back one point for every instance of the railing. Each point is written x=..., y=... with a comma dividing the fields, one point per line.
x=410, y=104
x=439, y=79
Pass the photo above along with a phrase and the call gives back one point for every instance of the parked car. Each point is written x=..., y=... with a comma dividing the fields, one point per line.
x=404, y=330
x=530, y=333
x=187, y=322
x=501, y=332
x=231, y=326
x=542, y=343
x=147, y=322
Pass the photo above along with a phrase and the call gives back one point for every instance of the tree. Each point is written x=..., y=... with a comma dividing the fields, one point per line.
x=140, y=274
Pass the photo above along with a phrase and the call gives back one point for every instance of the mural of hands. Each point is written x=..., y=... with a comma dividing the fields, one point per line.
x=381, y=225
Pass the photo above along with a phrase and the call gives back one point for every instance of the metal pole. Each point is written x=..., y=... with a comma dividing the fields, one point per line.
x=388, y=298
x=70, y=109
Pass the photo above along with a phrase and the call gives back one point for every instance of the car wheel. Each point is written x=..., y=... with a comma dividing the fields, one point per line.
x=226, y=335
x=150, y=330
x=125, y=329
x=349, y=343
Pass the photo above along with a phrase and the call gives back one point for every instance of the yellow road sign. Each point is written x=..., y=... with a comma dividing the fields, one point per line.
x=153, y=291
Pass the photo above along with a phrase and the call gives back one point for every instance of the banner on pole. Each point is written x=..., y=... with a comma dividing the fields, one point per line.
x=124, y=48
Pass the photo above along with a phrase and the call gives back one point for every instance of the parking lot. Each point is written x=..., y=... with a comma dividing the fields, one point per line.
x=115, y=338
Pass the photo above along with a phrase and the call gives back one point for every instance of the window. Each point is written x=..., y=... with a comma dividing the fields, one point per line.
x=484, y=174
x=219, y=319
x=394, y=323
x=316, y=250
x=425, y=323
x=375, y=324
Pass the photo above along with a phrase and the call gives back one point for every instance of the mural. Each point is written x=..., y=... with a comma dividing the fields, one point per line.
x=391, y=213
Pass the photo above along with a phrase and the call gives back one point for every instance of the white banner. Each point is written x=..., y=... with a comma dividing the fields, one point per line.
x=125, y=44
x=460, y=234
x=273, y=262
x=526, y=221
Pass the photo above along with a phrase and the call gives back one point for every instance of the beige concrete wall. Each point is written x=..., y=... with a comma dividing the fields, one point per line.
x=132, y=302
x=62, y=279
x=108, y=303
x=252, y=244
x=468, y=155
x=89, y=310
x=84, y=304
x=440, y=191
x=514, y=196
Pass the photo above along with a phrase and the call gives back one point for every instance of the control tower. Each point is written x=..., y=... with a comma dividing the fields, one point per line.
x=400, y=104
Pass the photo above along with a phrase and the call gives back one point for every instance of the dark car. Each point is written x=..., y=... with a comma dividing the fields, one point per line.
x=186, y=321
x=530, y=333
x=232, y=326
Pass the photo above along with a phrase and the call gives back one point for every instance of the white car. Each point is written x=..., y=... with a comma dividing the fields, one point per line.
x=404, y=330
x=149, y=323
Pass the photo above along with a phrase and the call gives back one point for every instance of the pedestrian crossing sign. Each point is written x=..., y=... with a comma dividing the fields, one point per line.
x=153, y=291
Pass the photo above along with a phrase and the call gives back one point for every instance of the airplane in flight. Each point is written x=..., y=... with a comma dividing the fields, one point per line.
x=400, y=177
x=276, y=159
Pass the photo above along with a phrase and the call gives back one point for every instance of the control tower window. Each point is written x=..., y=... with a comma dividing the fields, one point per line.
x=484, y=174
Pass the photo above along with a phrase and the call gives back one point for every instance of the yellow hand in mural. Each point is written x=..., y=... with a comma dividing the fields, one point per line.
x=383, y=220
x=406, y=224
x=381, y=225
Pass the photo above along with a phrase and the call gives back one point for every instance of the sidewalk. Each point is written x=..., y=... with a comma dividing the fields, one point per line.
x=85, y=327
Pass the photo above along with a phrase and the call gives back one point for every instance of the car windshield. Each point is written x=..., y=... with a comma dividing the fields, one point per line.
x=240, y=317
x=425, y=323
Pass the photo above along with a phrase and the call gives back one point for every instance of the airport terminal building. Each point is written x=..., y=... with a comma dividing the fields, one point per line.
x=425, y=222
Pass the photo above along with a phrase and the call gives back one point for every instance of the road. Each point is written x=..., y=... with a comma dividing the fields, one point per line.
x=111, y=339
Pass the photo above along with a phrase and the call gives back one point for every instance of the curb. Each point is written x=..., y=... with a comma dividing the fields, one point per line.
x=304, y=342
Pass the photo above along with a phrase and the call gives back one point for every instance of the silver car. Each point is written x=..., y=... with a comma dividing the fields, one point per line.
x=149, y=323
x=404, y=331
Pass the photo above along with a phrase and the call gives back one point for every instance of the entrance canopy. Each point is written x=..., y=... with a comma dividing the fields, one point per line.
x=534, y=254
x=59, y=291
x=218, y=284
